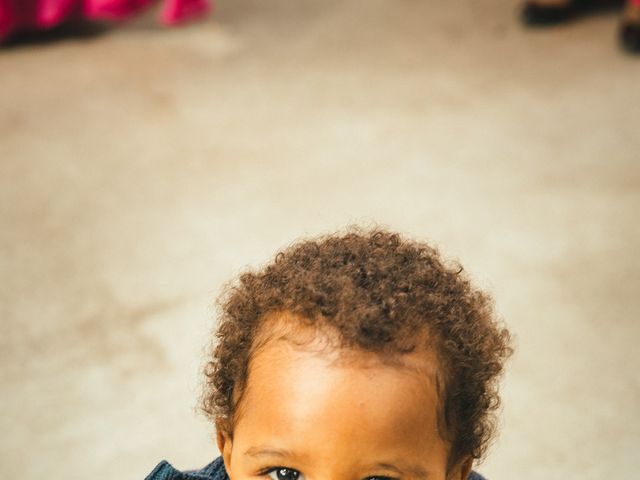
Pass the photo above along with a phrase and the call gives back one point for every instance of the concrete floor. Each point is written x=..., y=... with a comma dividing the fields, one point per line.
x=141, y=168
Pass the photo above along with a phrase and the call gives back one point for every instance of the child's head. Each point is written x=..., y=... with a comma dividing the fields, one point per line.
x=355, y=355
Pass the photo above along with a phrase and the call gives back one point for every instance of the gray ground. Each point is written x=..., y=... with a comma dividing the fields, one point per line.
x=142, y=168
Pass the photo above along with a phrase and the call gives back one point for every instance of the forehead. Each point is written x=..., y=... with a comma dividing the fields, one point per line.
x=303, y=392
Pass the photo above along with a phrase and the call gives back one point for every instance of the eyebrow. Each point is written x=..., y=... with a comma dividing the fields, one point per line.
x=404, y=469
x=264, y=451
x=399, y=467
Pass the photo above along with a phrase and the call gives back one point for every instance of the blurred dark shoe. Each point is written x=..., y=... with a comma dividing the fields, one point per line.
x=537, y=15
x=630, y=28
x=534, y=14
x=630, y=37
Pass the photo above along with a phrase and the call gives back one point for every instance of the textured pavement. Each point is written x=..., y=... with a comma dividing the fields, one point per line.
x=141, y=168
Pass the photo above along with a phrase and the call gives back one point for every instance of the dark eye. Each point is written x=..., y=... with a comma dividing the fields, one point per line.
x=283, y=473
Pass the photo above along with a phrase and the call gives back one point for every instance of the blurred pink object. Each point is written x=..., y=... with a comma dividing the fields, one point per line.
x=17, y=15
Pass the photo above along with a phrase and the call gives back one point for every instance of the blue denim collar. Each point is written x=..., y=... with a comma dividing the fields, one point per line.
x=165, y=471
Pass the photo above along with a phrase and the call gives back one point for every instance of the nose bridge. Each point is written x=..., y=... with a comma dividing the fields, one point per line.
x=336, y=467
x=332, y=475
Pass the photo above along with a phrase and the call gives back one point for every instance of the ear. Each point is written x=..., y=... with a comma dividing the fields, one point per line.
x=225, y=444
x=462, y=470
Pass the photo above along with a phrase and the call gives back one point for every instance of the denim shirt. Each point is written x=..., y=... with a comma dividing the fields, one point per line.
x=214, y=471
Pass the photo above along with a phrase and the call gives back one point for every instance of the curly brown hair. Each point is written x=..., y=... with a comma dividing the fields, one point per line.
x=380, y=292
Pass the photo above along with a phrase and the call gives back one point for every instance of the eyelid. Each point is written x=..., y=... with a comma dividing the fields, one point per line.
x=267, y=470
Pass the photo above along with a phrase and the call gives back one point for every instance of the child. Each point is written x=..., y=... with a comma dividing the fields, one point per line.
x=353, y=356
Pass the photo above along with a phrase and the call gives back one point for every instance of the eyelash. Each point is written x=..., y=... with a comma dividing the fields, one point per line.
x=266, y=472
x=269, y=470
